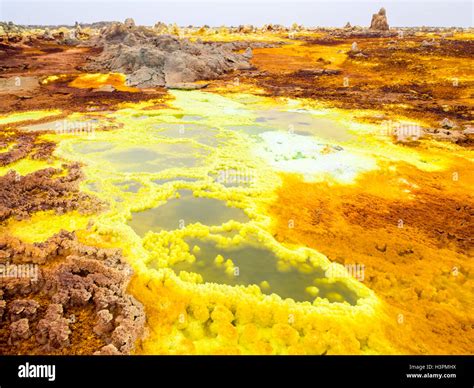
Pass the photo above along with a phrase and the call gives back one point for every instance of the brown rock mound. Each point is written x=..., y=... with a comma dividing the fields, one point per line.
x=379, y=21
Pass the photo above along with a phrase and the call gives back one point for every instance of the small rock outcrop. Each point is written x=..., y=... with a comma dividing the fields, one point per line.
x=129, y=23
x=379, y=21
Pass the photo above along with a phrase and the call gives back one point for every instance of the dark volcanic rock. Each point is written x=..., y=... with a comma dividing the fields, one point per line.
x=151, y=60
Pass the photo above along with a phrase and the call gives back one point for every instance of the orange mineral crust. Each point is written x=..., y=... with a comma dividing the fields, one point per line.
x=417, y=248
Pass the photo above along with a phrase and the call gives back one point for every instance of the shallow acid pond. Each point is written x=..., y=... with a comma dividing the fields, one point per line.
x=155, y=158
x=162, y=181
x=305, y=124
x=199, y=133
x=88, y=147
x=129, y=186
x=258, y=266
x=251, y=130
x=188, y=209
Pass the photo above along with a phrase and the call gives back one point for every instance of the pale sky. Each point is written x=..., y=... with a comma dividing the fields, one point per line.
x=401, y=13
